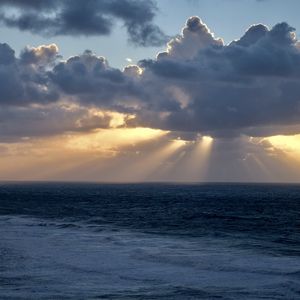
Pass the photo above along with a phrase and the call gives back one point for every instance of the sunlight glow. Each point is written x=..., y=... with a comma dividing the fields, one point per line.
x=199, y=159
x=286, y=143
x=147, y=166
x=289, y=145
x=113, y=139
x=193, y=163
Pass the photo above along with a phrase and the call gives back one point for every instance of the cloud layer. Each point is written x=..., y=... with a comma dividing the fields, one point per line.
x=84, y=17
x=198, y=85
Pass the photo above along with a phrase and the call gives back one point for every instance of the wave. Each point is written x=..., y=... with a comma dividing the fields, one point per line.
x=51, y=259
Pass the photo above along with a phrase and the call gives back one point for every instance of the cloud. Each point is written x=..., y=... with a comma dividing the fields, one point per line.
x=90, y=79
x=84, y=17
x=194, y=37
x=198, y=85
x=24, y=123
x=24, y=80
x=42, y=55
x=251, y=83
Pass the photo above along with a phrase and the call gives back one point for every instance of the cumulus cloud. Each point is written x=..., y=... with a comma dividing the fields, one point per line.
x=41, y=56
x=198, y=85
x=194, y=37
x=250, y=83
x=24, y=80
x=90, y=79
x=84, y=17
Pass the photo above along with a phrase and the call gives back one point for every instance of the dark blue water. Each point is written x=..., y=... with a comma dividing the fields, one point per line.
x=149, y=241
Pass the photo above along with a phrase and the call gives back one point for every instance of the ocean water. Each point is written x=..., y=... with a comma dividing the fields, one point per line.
x=149, y=241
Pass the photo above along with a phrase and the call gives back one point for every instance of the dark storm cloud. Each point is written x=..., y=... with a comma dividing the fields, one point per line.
x=7, y=55
x=91, y=80
x=252, y=82
x=42, y=95
x=84, y=17
x=24, y=80
x=38, y=77
x=199, y=85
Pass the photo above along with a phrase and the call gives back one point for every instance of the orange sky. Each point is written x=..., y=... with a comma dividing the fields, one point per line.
x=144, y=154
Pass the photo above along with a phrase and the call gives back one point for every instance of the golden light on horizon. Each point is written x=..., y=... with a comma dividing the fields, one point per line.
x=55, y=158
x=288, y=144
x=114, y=138
x=139, y=154
x=206, y=142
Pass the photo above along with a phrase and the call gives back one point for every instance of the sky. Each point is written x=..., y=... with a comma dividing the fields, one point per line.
x=160, y=90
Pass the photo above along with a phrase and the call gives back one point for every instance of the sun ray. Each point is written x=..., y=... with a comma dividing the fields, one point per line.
x=198, y=159
x=192, y=162
x=145, y=168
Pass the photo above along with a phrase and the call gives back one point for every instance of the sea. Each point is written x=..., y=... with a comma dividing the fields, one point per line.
x=149, y=241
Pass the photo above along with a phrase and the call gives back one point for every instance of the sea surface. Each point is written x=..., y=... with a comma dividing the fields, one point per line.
x=149, y=241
